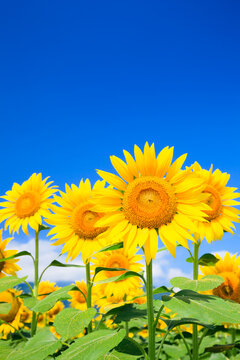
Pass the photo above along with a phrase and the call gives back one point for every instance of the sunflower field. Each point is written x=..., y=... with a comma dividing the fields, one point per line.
x=149, y=204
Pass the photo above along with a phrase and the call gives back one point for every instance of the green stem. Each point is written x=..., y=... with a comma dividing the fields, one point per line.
x=233, y=333
x=202, y=337
x=157, y=317
x=35, y=290
x=161, y=345
x=185, y=343
x=151, y=330
x=195, y=277
x=89, y=292
x=126, y=328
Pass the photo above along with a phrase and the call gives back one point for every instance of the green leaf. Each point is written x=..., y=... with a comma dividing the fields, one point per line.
x=184, y=321
x=4, y=308
x=8, y=282
x=206, y=283
x=30, y=301
x=205, y=308
x=43, y=227
x=93, y=346
x=8, y=348
x=115, y=246
x=172, y=350
x=160, y=290
x=41, y=345
x=50, y=300
x=71, y=322
x=208, y=260
x=129, y=347
x=59, y=264
x=115, y=355
x=126, y=313
x=21, y=253
x=127, y=274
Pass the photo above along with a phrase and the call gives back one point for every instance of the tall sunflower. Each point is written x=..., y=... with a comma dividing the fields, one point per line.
x=117, y=259
x=222, y=214
x=229, y=268
x=13, y=318
x=151, y=197
x=7, y=266
x=26, y=204
x=74, y=221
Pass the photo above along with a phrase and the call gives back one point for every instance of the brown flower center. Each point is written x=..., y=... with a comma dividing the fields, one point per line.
x=214, y=201
x=83, y=221
x=116, y=261
x=27, y=204
x=150, y=202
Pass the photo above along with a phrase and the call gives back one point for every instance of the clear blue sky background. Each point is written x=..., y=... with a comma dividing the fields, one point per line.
x=82, y=80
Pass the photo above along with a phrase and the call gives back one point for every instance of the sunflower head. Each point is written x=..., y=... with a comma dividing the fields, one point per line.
x=78, y=298
x=8, y=267
x=151, y=197
x=229, y=269
x=45, y=288
x=12, y=318
x=26, y=204
x=74, y=221
x=120, y=259
x=220, y=199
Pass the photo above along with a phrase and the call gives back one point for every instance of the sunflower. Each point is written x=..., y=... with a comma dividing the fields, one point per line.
x=116, y=259
x=26, y=204
x=7, y=266
x=229, y=269
x=221, y=201
x=74, y=221
x=78, y=300
x=12, y=318
x=45, y=288
x=151, y=197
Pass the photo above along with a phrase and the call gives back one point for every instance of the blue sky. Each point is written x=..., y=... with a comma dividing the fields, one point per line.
x=81, y=81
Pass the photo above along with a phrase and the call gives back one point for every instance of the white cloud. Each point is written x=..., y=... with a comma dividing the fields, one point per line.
x=47, y=253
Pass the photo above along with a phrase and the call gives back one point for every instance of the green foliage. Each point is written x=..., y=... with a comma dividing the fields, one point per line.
x=71, y=322
x=205, y=308
x=19, y=254
x=93, y=346
x=127, y=312
x=115, y=355
x=8, y=282
x=59, y=264
x=4, y=308
x=41, y=345
x=50, y=300
x=206, y=283
x=208, y=260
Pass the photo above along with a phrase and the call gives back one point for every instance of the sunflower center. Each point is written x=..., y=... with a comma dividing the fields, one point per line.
x=27, y=204
x=83, y=221
x=230, y=288
x=150, y=202
x=116, y=261
x=214, y=201
x=2, y=262
x=8, y=297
